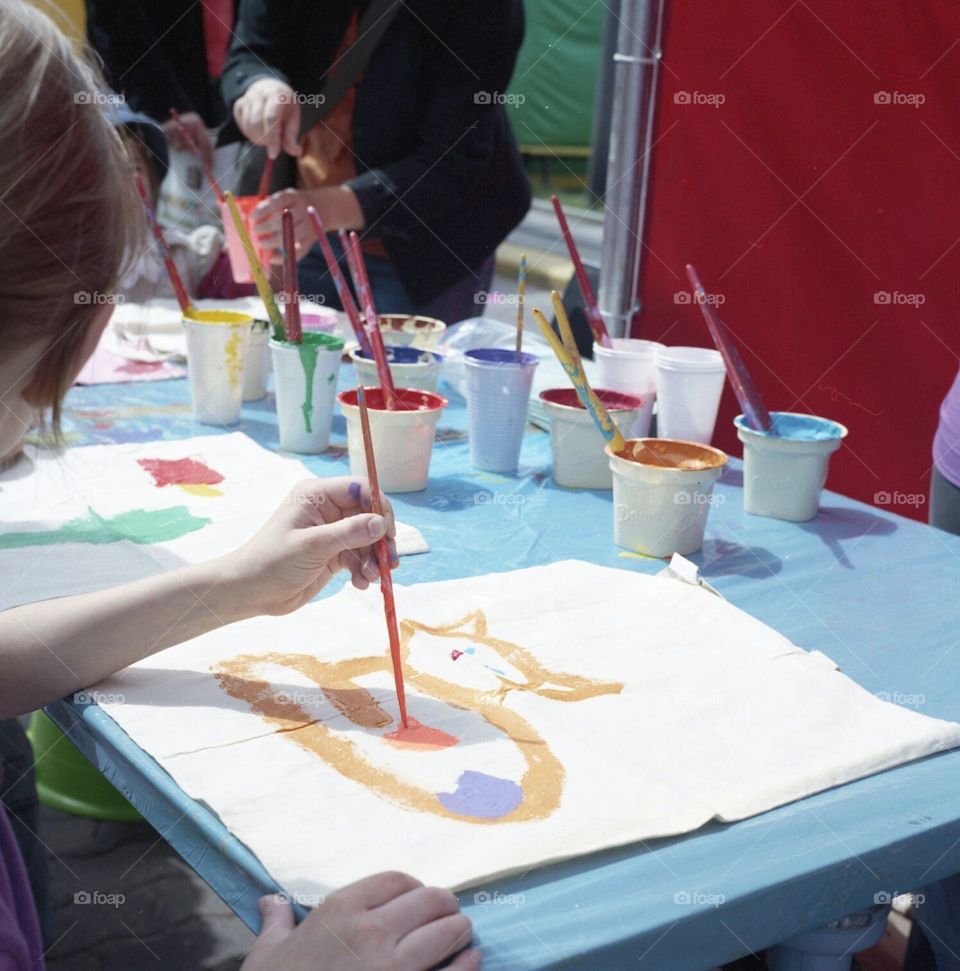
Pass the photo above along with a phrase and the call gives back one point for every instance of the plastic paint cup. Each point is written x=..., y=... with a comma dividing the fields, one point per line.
x=410, y=367
x=629, y=366
x=217, y=345
x=257, y=366
x=498, y=392
x=408, y=330
x=402, y=439
x=325, y=322
x=662, y=493
x=305, y=383
x=785, y=471
x=239, y=265
x=579, y=461
x=689, y=385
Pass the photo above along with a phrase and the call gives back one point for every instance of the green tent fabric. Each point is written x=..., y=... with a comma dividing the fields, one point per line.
x=557, y=73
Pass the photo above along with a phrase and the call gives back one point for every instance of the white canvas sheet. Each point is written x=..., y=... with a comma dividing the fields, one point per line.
x=61, y=515
x=594, y=707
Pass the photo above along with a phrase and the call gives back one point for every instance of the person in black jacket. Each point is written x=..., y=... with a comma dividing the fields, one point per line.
x=163, y=54
x=418, y=155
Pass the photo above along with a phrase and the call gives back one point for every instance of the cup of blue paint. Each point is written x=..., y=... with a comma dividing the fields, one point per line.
x=498, y=393
x=785, y=469
x=411, y=367
x=305, y=384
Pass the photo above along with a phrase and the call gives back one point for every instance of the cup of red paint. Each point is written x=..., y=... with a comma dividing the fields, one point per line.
x=402, y=438
x=305, y=383
x=785, y=469
x=576, y=443
x=239, y=265
x=662, y=494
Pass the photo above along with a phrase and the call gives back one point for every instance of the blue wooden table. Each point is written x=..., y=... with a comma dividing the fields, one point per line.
x=875, y=592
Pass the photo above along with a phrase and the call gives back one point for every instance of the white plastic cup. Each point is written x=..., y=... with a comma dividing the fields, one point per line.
x=662, y=494
x=325, y=321
x=257, y=366
x=577, y=445
x=409, y=366
x=689, y=385
x=784, y=473
x=411, y=330
x=217, y=344
x=305, y=383
x=629, y=366
x=402, y=439
x=498, y=393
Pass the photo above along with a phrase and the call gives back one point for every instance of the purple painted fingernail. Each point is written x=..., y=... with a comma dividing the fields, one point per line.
x=354, y=490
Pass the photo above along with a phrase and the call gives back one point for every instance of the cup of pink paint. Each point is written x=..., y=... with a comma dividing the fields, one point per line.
x=402, y=438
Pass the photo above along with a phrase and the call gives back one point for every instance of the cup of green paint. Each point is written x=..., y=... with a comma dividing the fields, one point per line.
x=217, y=346
x=305, y=383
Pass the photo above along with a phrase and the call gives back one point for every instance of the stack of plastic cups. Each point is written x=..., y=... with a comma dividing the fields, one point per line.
x=629, y=366
x=217, y=345
x=689, y=385
x=498, y=393
x=305, y=382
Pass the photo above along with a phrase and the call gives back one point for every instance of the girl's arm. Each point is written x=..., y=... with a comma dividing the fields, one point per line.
x=55, y=647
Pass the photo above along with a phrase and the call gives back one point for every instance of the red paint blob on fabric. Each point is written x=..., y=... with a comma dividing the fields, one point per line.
x=419, y=736
x=180, y=472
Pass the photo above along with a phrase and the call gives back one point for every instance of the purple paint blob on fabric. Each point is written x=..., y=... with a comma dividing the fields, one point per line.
x=354, y=490
x=483, y=796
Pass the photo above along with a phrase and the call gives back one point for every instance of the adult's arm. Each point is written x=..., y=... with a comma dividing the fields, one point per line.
x=134, y=60
x=473, y=47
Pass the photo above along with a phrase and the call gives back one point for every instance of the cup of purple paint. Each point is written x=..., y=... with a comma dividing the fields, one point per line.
x=785, y=469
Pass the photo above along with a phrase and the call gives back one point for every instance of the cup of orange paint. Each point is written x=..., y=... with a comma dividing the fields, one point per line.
x=662, y=494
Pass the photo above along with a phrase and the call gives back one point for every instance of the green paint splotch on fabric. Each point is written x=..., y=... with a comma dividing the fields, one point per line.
x=138, y=526
x=313, y=341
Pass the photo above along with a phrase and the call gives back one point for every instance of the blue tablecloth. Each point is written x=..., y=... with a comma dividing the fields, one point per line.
x=875, y=592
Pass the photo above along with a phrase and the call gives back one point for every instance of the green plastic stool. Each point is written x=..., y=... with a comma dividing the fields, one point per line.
x=66, y=779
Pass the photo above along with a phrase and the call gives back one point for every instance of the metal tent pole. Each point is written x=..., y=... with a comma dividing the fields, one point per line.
x=636, y=72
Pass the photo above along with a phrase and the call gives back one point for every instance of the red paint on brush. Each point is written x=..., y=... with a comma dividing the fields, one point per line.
x=416, y=735
x=383, y=561
x=265, y=177
x=180, y=472
x=293, y=330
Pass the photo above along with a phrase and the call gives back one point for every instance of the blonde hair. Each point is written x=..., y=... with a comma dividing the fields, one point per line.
x=69, y=212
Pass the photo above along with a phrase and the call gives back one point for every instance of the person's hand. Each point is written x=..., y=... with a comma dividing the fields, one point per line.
x=388, y=921
x=337, y=207
x=198, y=132
x=321, y=527
x=268, y=114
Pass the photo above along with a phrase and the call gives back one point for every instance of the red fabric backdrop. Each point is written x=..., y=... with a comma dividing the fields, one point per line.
x=807, y=161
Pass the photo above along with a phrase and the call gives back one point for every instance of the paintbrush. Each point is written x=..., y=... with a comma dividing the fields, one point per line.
x=179, y=289
x=569, y=357
x=361, y=284
x=521, y=296
x=754, y=410
x=265, y=177
x=594, y=318
x=192, y=145
x=256, y=270
x=293, y=329
x=383, y=559
x=343, y=291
